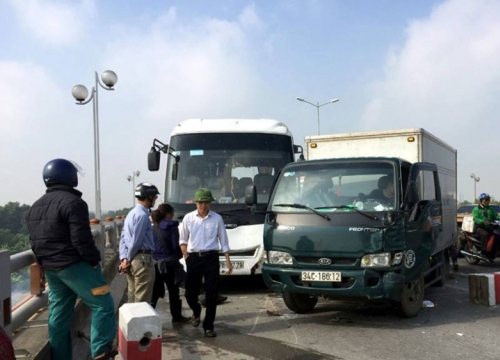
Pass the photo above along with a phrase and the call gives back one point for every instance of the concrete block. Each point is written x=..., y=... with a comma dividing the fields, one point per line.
x=482, y=289
x=139, y=332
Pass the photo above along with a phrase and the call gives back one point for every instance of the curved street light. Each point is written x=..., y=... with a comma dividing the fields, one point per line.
x=132, y=178
x=476, y=180
x=80, y=93
x=317, y=105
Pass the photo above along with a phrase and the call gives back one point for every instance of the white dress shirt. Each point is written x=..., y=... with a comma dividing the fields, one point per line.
x=203, y=234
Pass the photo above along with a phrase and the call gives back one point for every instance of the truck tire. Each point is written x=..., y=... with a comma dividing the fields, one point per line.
x=412, y=298
x=474, y=250
x=299, y=303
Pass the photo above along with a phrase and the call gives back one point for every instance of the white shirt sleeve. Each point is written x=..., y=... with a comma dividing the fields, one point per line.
x=224, y=243
x=184, y=231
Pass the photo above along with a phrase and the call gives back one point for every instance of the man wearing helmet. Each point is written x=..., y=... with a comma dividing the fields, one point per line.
x=483, y=215
x=63, y=245
x=137, y=245
x=202, y=234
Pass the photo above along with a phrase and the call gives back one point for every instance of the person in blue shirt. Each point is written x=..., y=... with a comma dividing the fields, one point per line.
x=137, y=245
x=168, y=268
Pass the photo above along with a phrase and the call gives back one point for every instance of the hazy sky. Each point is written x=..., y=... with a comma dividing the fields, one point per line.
x=393, y=64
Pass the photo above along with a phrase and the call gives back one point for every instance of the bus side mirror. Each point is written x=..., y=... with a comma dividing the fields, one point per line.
x=175, y=168
x=251, y=195
x=154, y=160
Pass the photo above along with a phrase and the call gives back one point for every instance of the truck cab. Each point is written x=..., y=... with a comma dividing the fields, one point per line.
x=328, y=232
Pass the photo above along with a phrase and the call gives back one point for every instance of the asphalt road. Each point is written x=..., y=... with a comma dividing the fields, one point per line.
x=255, y=324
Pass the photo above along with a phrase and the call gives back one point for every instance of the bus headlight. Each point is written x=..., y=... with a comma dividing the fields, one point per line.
x=279, y=257
x=376, y=260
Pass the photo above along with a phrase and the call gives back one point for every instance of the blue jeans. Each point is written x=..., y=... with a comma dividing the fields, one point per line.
x=65, y=285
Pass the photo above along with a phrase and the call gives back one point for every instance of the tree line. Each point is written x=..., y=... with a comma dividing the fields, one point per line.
x=14, y=234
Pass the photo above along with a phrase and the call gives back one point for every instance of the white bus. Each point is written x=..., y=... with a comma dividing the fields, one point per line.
x=226, y=156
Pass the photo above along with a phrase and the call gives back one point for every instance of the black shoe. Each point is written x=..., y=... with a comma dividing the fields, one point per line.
x=210, y=333
x=181, y=320
x=195, y=321
x=221, y=299
x=108, y=355
x=455, y=266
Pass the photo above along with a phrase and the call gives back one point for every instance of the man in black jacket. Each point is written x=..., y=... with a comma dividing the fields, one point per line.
x=62, y=241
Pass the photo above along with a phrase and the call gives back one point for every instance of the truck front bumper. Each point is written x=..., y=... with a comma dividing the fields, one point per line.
x=366, y=284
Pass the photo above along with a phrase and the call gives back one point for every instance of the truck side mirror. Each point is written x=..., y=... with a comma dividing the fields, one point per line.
x=251, y=195
x=412, y=197
x=154, y=160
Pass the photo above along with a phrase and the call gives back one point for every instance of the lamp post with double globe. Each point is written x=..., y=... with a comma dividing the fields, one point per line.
x=80, y=93
x=132, y=178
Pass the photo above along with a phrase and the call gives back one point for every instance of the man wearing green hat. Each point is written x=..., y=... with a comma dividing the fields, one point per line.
x=202, y=235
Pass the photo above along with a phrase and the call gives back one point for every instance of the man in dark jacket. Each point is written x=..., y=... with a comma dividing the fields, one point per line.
x=62, y=241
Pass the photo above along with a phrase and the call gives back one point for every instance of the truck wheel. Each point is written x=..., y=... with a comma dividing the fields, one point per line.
x=472, y=249
x=412, y=298
x=299, y=303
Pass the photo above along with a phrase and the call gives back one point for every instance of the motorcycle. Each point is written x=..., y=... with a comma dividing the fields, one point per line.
x=472, y=247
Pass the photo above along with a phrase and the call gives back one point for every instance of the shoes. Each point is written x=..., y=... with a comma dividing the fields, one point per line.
x=108, y=355
x=210, y=333
x=220, y=300
x=195, y=321
x=181, y=320
x=455, y=266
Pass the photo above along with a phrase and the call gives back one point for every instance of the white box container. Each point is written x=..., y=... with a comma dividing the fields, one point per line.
x=468, y=224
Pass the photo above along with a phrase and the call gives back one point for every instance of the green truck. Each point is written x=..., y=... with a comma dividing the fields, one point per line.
x=376, y=223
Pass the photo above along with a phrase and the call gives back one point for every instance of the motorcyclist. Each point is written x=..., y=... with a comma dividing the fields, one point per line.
x=483, y=216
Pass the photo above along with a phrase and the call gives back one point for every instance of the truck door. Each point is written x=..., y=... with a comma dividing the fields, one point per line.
x=423, y=213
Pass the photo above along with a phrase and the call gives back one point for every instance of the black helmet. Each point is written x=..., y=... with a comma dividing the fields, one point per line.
x=61, y=172
x=484, y=196
x=146, y=191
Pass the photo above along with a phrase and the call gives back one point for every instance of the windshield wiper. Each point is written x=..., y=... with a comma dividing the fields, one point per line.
x=351, y=207
x=301, y=206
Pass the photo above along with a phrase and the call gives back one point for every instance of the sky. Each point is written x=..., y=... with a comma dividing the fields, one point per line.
x=393, y=65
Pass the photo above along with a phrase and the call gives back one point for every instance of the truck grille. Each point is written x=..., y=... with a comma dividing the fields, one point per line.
x=335, y=261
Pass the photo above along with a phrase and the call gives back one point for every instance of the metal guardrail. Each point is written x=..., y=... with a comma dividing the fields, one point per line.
x=106, y=237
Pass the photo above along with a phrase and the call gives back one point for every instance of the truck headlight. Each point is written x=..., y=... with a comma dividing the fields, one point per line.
x=279, y=257
x=376, y=260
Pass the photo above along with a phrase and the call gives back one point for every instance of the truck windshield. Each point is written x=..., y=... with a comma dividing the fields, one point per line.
x=337, y=186
x=226, y=163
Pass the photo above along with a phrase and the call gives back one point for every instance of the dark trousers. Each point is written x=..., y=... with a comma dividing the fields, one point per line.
x=173, y=291
x=198, y=267
x=484, y=235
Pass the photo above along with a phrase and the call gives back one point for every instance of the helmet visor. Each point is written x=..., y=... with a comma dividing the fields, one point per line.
x=79, y=169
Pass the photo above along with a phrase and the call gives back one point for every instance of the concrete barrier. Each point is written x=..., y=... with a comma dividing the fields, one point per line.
x=139, y=332
x=484, y=289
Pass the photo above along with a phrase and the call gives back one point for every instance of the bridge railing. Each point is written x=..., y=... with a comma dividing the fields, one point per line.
x=106, y=237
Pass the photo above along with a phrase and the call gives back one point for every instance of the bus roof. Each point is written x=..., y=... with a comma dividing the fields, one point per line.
x=267, y=126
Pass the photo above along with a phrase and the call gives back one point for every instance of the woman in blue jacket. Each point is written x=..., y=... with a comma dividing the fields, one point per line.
x=169, y=270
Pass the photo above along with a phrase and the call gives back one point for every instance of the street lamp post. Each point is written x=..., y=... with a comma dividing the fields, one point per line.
x=317, y=105
x=476, y=180
x=80, y=93
x=132, y=178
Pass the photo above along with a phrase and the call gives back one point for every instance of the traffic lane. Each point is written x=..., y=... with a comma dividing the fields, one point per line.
x=453, y=327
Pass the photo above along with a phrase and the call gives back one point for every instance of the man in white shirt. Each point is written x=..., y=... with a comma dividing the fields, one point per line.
x=202, y=234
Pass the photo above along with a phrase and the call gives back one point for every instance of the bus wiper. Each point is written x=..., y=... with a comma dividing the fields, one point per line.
x=301, y=206
x=351, y=207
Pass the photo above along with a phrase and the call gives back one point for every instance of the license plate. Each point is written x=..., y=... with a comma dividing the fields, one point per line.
x=330, y=276
x=236, y=264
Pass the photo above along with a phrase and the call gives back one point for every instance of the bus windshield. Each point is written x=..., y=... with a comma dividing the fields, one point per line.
x=335, y=186
x=226, y=163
